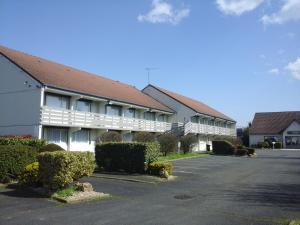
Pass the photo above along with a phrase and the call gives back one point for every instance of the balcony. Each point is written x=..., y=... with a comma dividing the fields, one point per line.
x=71, y=118
x=195, y=128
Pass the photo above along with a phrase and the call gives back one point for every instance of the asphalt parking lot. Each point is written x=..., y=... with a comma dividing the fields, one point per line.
x=217, y=190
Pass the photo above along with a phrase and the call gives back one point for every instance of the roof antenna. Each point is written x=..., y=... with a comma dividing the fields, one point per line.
x=149, y=69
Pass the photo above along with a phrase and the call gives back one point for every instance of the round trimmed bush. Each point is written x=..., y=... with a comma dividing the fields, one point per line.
x=144, y=137
x=30, y=176
x=111, y=136
x=51, y=148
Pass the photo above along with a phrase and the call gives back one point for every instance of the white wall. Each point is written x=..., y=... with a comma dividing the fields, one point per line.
x=20, y=100
x=183, y=113
x=254, y=139
x=295, y=126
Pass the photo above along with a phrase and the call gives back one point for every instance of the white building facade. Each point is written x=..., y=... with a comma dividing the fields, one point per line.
x=194, y=117
x=73, y=120
x=281, y=127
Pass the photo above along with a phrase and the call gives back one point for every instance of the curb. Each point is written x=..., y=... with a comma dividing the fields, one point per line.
x=192, y=157
x=123, y=179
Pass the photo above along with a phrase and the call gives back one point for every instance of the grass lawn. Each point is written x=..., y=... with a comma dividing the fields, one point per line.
x=175, y=156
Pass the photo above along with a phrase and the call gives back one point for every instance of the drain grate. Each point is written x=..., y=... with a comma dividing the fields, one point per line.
x=183, y=197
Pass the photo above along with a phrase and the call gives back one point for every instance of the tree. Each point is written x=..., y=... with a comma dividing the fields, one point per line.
x=168, y=143
x=144, y=137
x=111, y=136
x=187, y=142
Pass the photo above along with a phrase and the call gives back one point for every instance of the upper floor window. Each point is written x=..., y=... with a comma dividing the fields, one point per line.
x=130, y=113
x=57, y=101
x=113, y=110
x=83, y=106
x=211, y=123
x=149, y=116
x=194, y=119
x=162, y=118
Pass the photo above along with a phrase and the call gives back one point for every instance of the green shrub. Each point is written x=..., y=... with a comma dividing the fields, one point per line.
x=144, y=137
x=187, y=142
x=251, y=151
x=278, y=145
x=263, y=144
x=155, y=168
x=222, y=148
x=35, y=143
x=14, y=159
x=168, y=143
x=240, y=147
x=111, y=136
x=129, y=157
x=60, y=169
x=51, y=148
x=30, y=176
x=241, y=152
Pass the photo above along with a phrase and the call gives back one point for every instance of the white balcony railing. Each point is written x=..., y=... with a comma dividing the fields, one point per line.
x=196, y=128
x=72, y=118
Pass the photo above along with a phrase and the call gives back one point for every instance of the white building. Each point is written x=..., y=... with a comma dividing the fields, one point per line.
x=276, y=126
x=194, y=117
x=70, y=107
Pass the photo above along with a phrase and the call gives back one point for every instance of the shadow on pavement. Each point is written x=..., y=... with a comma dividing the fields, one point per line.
x=281, y=195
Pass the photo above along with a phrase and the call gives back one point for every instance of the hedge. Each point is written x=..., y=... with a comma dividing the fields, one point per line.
x=30, y=176
x=35, y=143
x=251, y=151
x=14, y=159
x=156, y=168
x=278, y=145
x=222, y=148
x=241, y=152
x=128, y=157
x=61, y=169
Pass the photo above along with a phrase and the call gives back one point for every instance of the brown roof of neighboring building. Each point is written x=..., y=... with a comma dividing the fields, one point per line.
x=195, y=105
x=273, y=122
x=56, y=75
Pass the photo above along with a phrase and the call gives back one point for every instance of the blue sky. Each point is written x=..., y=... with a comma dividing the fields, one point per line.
x=238, y=56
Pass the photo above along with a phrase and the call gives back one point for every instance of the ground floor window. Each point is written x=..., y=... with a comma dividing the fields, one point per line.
x=55, y=135
x=81, y=136
x=292, y=141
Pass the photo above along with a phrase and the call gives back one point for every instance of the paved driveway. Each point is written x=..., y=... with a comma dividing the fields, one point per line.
x=214, y=191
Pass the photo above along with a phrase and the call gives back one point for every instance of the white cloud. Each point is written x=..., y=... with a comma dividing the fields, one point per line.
x=294, y=68
x=163, y=12
x=237, y=7
x=274, y=71
x=290, y=11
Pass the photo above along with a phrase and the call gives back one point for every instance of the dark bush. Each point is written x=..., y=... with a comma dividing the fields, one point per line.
x=168, y=143
x=240, y=147
x=188, y=142
x=156, y=168
x=60, y=169
x=111, y=136
x=35, y=143
x=51, y=148
x=129, y=157
x=222, y=148
x=241, y=152
x=278, y=145
x=251, y=151
x=263, y=144
x=144, y=137
x=14, y=159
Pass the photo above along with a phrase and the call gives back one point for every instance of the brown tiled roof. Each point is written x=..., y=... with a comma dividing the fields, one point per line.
x=56, y=75
x=195, y=105
x=273, y=122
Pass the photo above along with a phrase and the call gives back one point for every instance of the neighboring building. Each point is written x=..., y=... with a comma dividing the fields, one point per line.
x=276, y=126
x=194, y=117
x=70, y=107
